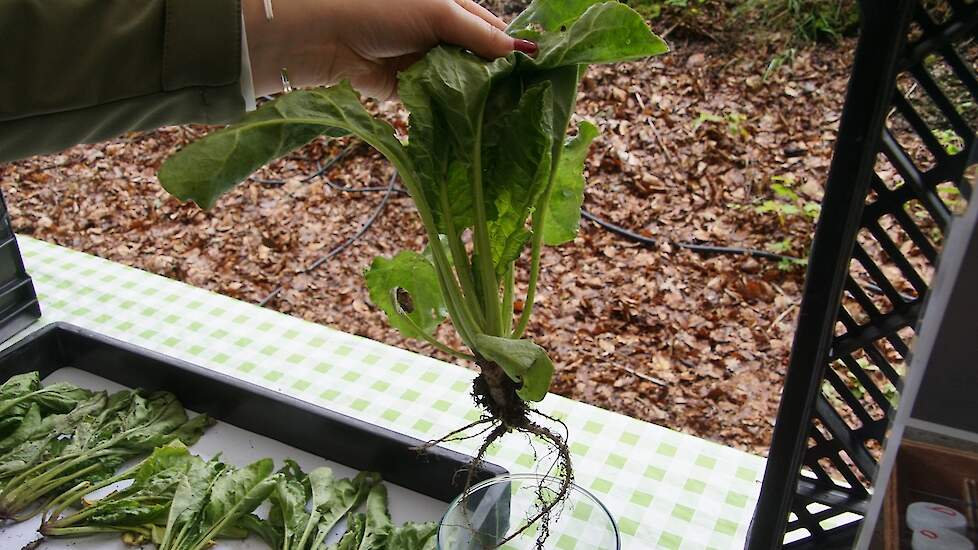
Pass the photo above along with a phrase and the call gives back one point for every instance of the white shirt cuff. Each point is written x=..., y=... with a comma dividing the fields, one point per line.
x=247, y=81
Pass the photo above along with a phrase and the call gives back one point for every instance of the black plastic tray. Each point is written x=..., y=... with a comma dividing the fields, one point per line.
x=322, y=432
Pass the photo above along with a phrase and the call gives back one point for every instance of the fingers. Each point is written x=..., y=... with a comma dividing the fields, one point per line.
x=464, y=28
x=475, y=9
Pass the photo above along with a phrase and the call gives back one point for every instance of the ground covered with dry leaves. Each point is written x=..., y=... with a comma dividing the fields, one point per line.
x=724, y=141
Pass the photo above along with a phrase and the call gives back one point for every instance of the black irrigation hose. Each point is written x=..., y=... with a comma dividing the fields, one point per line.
x=320, y=170
x=710, y=249
x=346, y=189
x=701, y=248
x=391, y=189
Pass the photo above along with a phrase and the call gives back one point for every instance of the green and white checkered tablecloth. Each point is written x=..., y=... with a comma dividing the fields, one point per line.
x=666, y=489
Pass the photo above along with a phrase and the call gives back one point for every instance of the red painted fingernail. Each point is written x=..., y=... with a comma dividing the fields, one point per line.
x=525, y=46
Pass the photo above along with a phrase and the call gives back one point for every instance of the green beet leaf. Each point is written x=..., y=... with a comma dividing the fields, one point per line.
x=262, y=529
x=204, y=170
x=523, y=361
x=186, y=509
x=414, y=536
x=288, y=511
x=370, y=530
x=564, y=217
x=88, y=444
x=352, y=538
x=27, y=427
x=209, y=504
x=20, y=384
x=46, y=439
x=446, y=93
x=58, y=398
x=607, y=32
x=551, y=15
x=406, y=288
x=143, y=503
x=334, y=501
x=519, y=156
x=240, y=491
x=378, y=526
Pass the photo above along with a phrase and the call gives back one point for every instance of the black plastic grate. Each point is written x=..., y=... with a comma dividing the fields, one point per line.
x=899, y=174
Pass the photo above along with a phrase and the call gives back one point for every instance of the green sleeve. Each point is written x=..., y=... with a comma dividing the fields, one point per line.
x=81, y=71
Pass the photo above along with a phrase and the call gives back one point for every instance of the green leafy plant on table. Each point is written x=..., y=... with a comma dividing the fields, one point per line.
x=179, y=501
x=490, y=172
x=63, y=438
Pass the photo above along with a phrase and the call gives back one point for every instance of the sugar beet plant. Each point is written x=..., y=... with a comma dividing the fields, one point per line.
x=492, y=175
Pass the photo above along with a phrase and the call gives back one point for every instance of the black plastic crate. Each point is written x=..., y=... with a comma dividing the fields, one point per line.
x=18, y=301
x=913, y=82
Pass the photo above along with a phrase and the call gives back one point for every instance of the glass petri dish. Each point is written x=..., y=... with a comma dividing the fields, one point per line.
x=497, y=513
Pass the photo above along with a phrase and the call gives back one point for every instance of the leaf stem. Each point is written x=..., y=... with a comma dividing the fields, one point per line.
x=539, y=218
x=93, y=530
x=462, y=266
x=483, y=256
x=465, y=325
x=508, y=298
x=434, y=342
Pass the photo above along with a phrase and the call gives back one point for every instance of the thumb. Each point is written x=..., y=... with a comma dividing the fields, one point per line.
x=460, y=27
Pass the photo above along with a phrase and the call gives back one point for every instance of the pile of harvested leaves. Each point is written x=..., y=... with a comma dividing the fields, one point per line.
x=59, y=444
x=61, y=438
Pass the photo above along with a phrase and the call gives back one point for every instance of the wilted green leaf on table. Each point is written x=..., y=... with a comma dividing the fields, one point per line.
x=151, y=422
x=261, y=528
x=335, y=501
x=356, y=525
x=236, y=492
x=288, y=505
x=174, y=457
x=407, y=286
x=144, y=502
x=414, y=536
x=28, y=426
x=61, y=398
x=46, y=439
x=378, y=526
x=19, y=385
x=147, y=500
x=521, y=360
x=567, y=196
x=57, y=398
x=192, y=430
x=16, y=398
x=186, y=510
x=192, y=525
x=207, y=168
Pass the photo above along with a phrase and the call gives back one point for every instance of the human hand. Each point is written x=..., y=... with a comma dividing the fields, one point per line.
x=321, y=42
